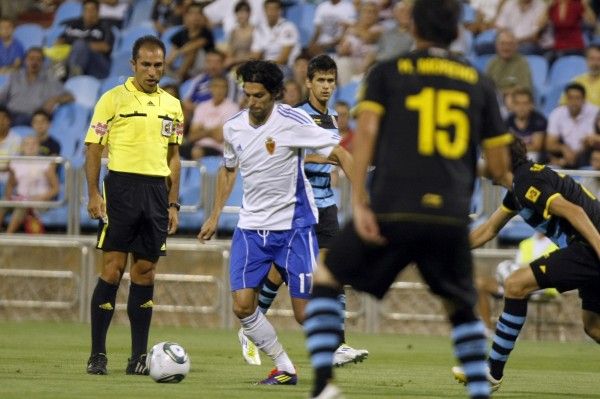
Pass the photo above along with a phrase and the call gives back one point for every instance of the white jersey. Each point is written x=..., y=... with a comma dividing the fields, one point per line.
x=277, y=194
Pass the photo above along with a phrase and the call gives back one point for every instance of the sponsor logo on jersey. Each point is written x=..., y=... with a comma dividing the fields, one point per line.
x=100, y=128
x=533, y=194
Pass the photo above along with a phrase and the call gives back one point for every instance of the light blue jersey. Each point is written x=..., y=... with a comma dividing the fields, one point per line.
x=319, y=175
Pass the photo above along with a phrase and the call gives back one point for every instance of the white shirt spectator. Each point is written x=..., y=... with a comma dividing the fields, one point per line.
x=31, y=178
x=271, y=40
x=524, y=23
x=277, y=194
x=210, y=115
x=572, y=131
x=223, y=12
x=487, y=8
x=331, y=18
x=11, y=145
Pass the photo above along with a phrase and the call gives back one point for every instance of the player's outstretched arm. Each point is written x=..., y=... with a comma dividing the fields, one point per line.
x=490, y=228
x=174, y=162
x=96, y=206
x=497, y=163
x=340, y=156
x=574, y=214
x=225, y=181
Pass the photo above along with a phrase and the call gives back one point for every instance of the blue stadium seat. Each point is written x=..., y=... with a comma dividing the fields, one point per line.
x=23, y=130
x=185, y=87
x=516, y=230
x=85, y=89
x=120, y=64
x=229, y=221
x=168, y=34
x=302, y=15
x=69, y=126
x=190, y=194
x=566, y=68
x=539, y=72
x=141, y=12
x=552, y=97
x=67, y=10
x=485, y=38
x=52, y=34
x=130, y=35
x=218, y=34
x=30, y=35
x=480, y=62
x=468, y=13
x=348, y=92
x=3, y=79
x=110, y=82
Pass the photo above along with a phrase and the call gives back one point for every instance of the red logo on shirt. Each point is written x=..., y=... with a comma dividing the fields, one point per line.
x=179, y=128
x=270, y=144
x=100, y=128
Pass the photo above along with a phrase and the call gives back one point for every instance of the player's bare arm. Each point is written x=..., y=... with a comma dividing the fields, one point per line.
x=174, y=162
x=316, y=158
x=574, y=214
x=93, y=155
x=225, y=182
x=497, y=164
x=490, y=228
x=340, y=156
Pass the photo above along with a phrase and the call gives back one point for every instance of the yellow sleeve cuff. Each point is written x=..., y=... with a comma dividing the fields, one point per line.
x=369, y=106
x=548, y=202
x=498, y=141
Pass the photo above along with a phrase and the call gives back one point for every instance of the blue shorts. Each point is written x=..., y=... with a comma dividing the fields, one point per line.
x=293, y=251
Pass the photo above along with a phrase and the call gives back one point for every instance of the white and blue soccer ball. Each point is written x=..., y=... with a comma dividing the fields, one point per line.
x=168, y=362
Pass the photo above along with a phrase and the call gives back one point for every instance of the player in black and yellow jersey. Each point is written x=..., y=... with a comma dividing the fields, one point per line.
x=142, y=126
x=562, y=209
x=421, y=120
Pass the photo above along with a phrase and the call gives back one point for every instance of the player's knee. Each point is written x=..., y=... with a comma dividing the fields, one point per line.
x=143, y=273
x=243, y=310
x=112, y=272
x=514, y=287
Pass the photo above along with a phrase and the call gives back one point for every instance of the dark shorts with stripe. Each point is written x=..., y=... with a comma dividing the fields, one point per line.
x=138, y=216
x=328, y=226
x=573, y=267
x=441, y=253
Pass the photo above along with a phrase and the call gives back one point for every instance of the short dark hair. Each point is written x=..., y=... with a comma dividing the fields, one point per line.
x=575, y=86
x=199, y=6
x=41, y=111
x=148, y=40
x=523, y=91
x=437, y=20
x=94, y=2
x=33, y=50
x=278, y=2
x=321, y=63
x=243, y=4
x=518, y=152
x=266, y=73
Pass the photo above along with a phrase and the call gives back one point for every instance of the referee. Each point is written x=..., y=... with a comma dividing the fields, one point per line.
x=142, y=126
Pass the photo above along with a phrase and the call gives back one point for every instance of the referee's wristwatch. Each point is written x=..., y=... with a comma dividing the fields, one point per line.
x=175, y=205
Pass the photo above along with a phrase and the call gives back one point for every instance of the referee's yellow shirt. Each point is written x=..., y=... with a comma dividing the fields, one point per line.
x=138, y=128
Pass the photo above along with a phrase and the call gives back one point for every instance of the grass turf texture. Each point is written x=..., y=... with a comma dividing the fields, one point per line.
x=47, y=360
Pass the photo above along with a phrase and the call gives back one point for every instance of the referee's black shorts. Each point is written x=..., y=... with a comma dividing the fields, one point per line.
x=440, y=251
x=138, y=216
x=328, y=226
x=573, y=267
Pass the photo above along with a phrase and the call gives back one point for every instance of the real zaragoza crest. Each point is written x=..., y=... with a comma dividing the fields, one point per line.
x=270, y=145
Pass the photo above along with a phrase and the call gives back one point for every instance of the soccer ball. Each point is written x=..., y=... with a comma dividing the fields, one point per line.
x=168, y=362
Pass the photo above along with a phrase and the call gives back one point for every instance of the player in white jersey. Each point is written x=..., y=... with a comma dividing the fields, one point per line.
x=267, y=142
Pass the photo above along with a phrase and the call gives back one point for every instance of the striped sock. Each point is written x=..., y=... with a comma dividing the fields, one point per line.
x=470, y=347
x=342, y=298
x=267, y=295
x=322, y=328
x=507, y=330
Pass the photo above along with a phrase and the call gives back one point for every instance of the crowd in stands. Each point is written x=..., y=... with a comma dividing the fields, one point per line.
x=543, y=55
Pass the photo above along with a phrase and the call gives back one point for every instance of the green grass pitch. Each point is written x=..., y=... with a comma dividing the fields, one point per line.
x=47, y=360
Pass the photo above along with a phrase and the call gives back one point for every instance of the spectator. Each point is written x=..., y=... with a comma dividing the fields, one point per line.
x=523, y=18
x=10, y=143
x=342, y=109
x=277, y=39
x=91, y=42
x=300, y=73
x=31, y=88
x=199, y=89
x=397, y=41
x=166, y=13
x=332, y=18
x=566, y=19
x=591, y=79
x=29, y=181
x=239, y=41
x=527, y=123
x=508, y=68
x=358, y=45
x=593, y=183
x=190, y=43
x=114, y=11
x=571, y=129
x=485, y=14
x=11, y=50
x=292, y=93
x=40, y=122
x=206, y=131
x=223, y=12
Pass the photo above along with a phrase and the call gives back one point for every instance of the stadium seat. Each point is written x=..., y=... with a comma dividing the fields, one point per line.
x=85, y=89
x=539, y=72
x=23, y=130
x=191, y=194
x=185, y=87
x=552, y=98
x=110, y=82
x=69, y=126
x=3, y=79
x=468, y=13
x=348, y=93
x=141, y=12
x=480, y=62
x=218, y=34
x=120, y=64
x=566, y=68
x=516, y=230
x=168, y=34
x=52, y=34
x=130, y=35
x=30, y=35
x=67, y=10
x=485, y=38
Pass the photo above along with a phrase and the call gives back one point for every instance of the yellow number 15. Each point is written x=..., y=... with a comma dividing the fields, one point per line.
x=438, y=111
